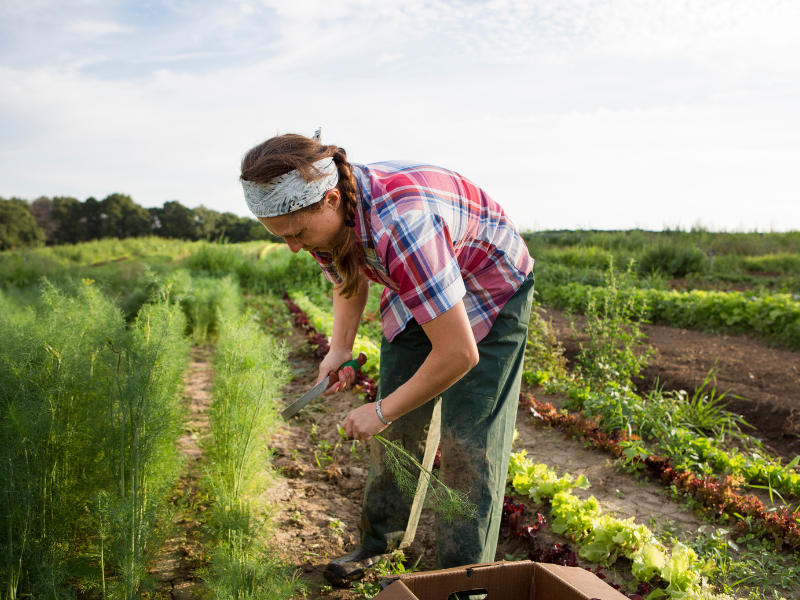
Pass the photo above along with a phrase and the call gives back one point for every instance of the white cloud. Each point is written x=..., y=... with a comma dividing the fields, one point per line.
x=90, y=27
x=569, y=113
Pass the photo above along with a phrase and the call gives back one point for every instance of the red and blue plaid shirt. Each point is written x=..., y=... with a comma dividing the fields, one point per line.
x=432, y=238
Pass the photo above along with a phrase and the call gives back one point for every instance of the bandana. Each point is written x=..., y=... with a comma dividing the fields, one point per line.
x=290, y=192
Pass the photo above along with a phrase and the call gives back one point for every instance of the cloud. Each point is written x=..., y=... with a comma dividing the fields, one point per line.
x=90, y=27
x=570, y=113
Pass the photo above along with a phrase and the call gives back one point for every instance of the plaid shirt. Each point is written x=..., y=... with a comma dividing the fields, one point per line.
x=432, y=238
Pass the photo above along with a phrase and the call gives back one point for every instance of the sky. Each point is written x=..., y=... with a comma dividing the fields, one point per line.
x=603, y=114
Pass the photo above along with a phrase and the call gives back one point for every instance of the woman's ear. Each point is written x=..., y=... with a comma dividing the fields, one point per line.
x=333, y=198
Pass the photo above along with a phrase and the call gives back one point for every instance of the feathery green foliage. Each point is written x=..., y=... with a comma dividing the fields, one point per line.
x=203, y=304
x=250, y=368
x=88, y=420
x=446, y=502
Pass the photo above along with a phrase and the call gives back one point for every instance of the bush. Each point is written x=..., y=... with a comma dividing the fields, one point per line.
x=672, y=261
x=207, y=300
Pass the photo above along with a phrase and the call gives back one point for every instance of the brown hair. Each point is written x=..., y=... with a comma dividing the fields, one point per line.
x=284, y=153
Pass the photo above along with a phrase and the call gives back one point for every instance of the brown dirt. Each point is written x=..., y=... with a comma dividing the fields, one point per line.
x=767, y=380
x=306, y=498
x=182, y=554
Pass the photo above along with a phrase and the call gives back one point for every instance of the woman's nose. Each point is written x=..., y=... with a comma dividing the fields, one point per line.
x=294, y=245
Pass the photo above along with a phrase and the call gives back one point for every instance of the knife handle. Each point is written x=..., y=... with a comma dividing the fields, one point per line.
x=356, y=363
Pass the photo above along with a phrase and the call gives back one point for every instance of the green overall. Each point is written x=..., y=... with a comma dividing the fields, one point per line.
x=478, y=417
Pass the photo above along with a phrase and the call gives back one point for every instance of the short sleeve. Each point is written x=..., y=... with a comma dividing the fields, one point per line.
x=325, y=261
x=421, y=260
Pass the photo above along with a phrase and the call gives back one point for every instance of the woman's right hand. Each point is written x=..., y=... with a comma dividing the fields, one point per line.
x=331, y=362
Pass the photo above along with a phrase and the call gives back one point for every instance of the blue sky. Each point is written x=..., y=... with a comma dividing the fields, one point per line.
x=603, y=114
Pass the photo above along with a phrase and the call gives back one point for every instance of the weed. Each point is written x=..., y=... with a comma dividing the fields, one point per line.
x=335, y=526
x=390, y=566
x=615, y=352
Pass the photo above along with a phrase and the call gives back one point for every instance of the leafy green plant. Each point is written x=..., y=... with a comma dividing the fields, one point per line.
x=604, y=538
x=673, y=261
x=544, y=355
x=390, y=566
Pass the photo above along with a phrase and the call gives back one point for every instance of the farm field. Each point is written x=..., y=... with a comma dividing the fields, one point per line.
x=146, y=376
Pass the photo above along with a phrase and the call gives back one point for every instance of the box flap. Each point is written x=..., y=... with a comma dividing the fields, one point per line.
x=503, y=580
x=573, y=583
x=397, y=590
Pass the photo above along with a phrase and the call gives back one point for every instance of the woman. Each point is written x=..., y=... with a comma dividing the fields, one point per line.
x=458, y=288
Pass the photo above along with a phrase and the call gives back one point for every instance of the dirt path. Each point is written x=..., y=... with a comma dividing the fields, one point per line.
x=767, y=379
x=308, y=499
x=182, y=554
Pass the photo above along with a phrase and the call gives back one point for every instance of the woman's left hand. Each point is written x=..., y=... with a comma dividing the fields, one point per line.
x=363, y=422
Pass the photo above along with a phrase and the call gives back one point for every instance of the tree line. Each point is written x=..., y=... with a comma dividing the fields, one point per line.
x=65, y=220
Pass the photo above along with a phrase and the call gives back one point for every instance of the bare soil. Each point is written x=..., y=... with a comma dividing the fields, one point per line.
x=306, y=498
x=314, y=493
x=182, y=555
x=765, y=380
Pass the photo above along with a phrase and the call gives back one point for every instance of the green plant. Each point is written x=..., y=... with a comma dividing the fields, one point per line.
x=335, y=526
x=88, y=425
x=544, y=354
x=447, y=503
x=205, y=301
x=390, y=566
x=673, y=261
x=250, y=368
x=615, y=352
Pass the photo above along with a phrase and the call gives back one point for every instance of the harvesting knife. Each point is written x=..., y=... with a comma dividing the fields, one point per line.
x=296, y=406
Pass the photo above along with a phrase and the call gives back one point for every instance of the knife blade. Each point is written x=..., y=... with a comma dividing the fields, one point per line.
x=296, y=406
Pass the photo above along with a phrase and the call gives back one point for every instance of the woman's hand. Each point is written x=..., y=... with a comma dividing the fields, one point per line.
x=363, y=422
x=330, y=363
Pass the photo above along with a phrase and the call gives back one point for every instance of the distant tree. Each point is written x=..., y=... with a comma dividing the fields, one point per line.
x=206, y=223
x=71, y=224
x=18, y=228
x=121, y=217
x=229, y=227
x=174, y=220
x=42, y=211
x=259, y=232
x=93, y=219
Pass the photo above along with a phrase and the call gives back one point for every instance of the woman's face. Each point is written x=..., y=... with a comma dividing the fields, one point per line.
x=316, y=231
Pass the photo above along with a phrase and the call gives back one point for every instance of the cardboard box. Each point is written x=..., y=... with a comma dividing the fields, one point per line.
x=523, y=580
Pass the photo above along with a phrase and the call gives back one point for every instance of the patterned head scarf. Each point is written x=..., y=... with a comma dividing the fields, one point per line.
x=290, y=192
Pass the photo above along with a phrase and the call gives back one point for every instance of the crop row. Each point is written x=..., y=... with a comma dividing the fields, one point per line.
x=773, y=315
x=322, y=321
x=88, y=423
x=249, y=368
x=719, y=495
x=674, y=425
x=604, y=538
